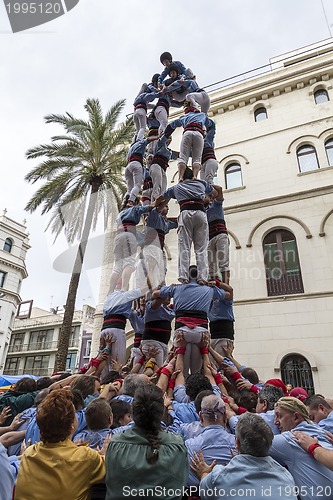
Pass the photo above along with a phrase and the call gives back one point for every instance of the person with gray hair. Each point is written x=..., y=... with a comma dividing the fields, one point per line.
x=252, y=472
x=214, y=441
x=310, y=477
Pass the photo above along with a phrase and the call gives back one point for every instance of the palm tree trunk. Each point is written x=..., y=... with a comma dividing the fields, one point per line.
x=66, y=327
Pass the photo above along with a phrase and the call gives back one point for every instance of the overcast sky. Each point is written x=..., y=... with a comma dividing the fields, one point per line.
x=105, y=49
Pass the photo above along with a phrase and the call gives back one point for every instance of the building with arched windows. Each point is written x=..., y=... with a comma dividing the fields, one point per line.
x=14, y=244
x=274, y=145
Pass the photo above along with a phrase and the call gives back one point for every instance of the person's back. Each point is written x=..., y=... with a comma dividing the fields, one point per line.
x=252, y=472
x=155, y=461
x=55, y=467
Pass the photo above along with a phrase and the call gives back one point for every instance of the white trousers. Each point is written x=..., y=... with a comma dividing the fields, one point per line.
x=133, y=178
x=209, y=170
x=192, y=228
x=192, y=142
x=118, y=346
x=140, y=122
x=159, y=179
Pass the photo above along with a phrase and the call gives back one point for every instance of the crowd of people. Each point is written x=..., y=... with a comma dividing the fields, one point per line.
x=179, y=416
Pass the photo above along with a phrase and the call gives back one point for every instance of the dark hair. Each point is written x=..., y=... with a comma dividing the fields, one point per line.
x=164, y=56
x=25, y=385
x=251, y=375
x=55, y=416
x=41, y=396
x=98, y=414
x=195, y=383
x=314, y=401
x=271, y=395
x=78, y=400
x=154, y=79
x=111, y=376
x=173, y=67
x=43, y=382
x=188, y=174
x=249, y=401
x=193, y=272
x=119, y=409
x=147, y=409
x=85, y=384
x=199, y=398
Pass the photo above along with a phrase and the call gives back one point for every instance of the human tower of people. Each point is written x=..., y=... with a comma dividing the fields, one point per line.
x=179, y=418
x=203, y=294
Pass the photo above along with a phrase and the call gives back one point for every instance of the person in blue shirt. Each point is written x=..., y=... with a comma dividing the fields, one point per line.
x=116, y=310
x=320, y=412
x=146, y=95
x=221, y=321
x=134, y=170
x=166, y=60
x=157, y=331
x=214, y=441
x=192, y=223
x=157, y=227
x=181, y=89
x=310, y=477
x=250, y=473
x=159, y=164
x=194, y=123
x=218, y=245
x=209, y=163
x=125, y=242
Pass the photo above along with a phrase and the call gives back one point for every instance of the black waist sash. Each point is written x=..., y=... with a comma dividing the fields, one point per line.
x=191, y=205
x=114, y=321
x=136, y=157
x=142, y=105
x=161, y=161
x=217, y=226
x=194, y=127
x=207, y=154
x=159, y=330
x=222, y=329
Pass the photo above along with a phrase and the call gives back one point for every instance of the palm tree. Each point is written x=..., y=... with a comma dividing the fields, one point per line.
x=87, y=160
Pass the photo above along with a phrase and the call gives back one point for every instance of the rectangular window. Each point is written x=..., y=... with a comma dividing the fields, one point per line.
x=74, y=337
x=2, y=278
x=41, y=339
x=16, y=342
x=11, y=365
x=87, y=349
x=70, y=361
x=34, y=364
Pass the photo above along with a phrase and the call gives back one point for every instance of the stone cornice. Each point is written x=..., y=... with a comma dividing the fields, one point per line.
x=271, y=84
x=284, y=298
x=277, y=200
x=17, y=267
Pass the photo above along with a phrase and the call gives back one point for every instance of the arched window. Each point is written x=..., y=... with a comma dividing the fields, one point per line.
x=321, y=96
x=329, y=151
x=260, y=114
x=233, y=176
x=307, y=158
x=283, y=272
x=296, y=370
x=8, y=245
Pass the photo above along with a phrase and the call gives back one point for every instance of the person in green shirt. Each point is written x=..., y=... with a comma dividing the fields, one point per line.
x=145, y=460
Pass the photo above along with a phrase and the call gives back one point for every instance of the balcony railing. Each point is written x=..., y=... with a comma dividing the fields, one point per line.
x=287, y=284
x=40, y=346
x=38, y=372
